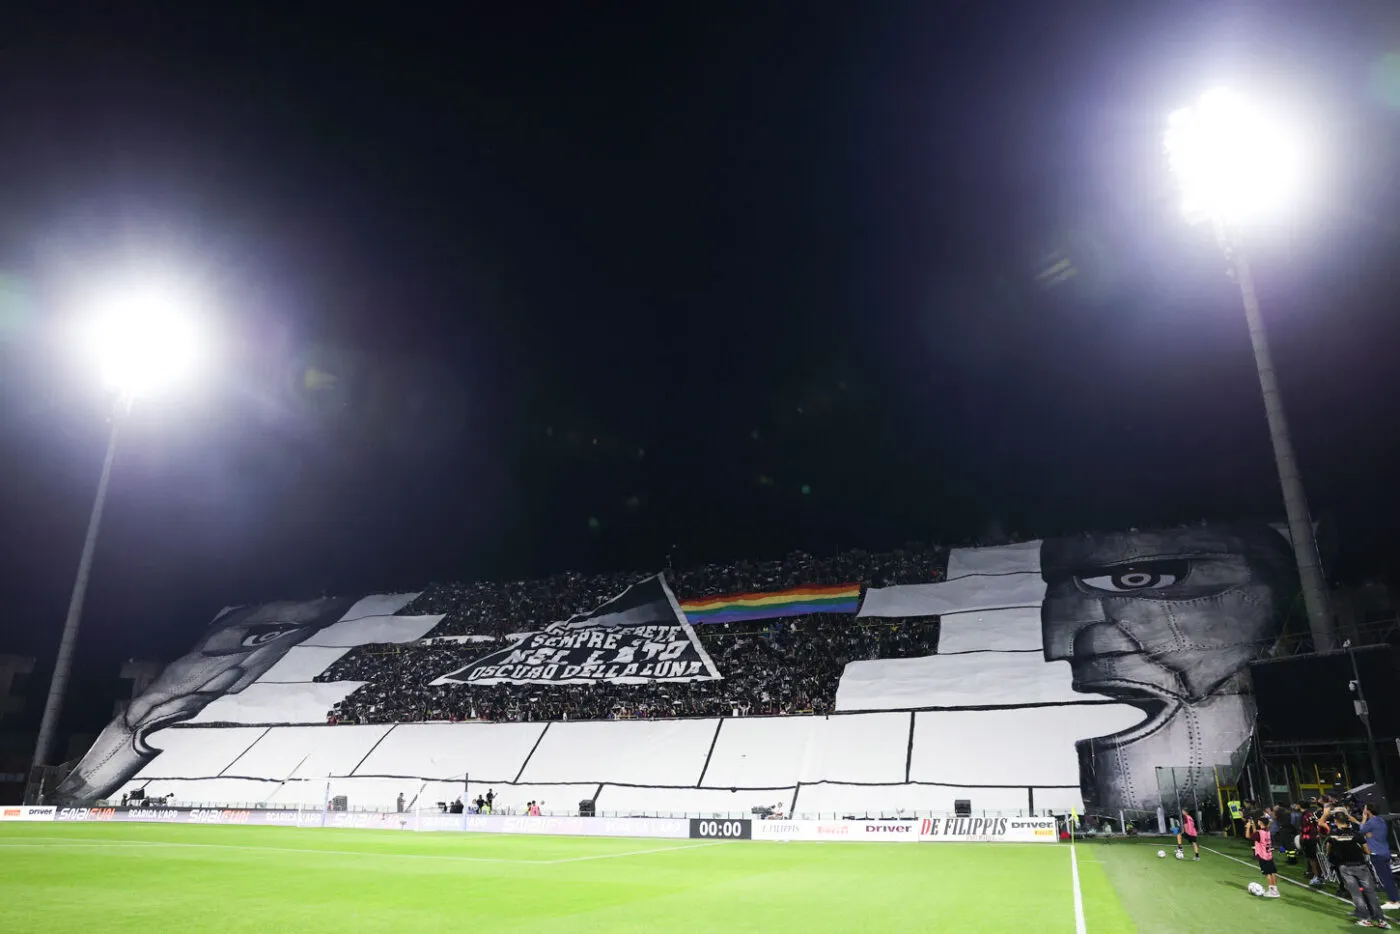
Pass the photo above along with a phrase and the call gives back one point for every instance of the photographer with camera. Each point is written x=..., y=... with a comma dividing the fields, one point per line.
x=1346, y=849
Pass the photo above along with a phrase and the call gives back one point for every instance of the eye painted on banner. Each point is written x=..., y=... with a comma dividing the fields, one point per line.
x=262, y=635
x=1136, y=578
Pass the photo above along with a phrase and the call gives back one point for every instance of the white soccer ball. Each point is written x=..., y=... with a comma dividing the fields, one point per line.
x=1180, y=855
x=1256, y=889
x=1161, y=854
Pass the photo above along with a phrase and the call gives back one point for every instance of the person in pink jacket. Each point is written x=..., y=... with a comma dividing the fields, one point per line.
x=1257, y=832
x=1187, y=831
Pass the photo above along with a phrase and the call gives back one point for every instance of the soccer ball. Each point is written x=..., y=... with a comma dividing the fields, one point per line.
x=1256, y=889
x=1161, y=854
x=1180, y=855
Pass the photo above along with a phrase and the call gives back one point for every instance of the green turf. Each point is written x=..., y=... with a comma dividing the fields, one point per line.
x=149, y=877
x=1168, y=896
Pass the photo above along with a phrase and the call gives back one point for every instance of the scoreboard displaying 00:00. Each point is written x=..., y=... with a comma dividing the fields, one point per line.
x=705, y=829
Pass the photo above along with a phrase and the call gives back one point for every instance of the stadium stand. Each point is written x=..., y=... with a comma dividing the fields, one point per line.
x=880, y=708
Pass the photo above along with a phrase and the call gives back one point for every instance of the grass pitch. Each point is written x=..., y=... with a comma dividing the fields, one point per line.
x=148, y=877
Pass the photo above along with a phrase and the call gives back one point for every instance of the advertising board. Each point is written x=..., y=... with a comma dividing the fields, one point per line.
x=925, y=830
x=26, y=813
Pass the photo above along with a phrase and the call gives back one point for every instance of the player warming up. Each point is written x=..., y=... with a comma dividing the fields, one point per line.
x=1187, y=831
x=1257, y=832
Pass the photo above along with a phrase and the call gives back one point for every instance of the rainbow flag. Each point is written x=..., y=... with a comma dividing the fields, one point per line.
x=799, y=601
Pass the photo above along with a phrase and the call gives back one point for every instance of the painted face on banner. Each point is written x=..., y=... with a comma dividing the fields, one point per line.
x=1170, y=615
x=238, y=648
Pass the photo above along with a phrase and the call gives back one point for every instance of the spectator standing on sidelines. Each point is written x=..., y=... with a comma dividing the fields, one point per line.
x=1377, y=836
x=1187, y=831
x=1309, y=832
x=1346, y=848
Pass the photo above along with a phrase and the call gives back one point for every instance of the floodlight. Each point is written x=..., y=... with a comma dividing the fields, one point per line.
x=144, y=334
x=1238, y=162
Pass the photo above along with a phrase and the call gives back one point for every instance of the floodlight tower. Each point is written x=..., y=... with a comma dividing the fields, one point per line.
x=142, y=338
x=1237, y=163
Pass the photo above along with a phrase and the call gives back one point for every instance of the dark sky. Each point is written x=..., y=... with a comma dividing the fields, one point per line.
x=603, y=283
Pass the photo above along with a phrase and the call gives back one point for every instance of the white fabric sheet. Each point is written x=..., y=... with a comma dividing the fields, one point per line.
x=489, y=751
x=954, y=596
x=302, y=663
x=353, y=631
x=277, y=703
x=687, y=802
x=643, y=752
x=1016, y=629
x=216, y=792
x=380, y=604
x=1034, y=746
x=836, y=801
x=1020, y=558
x=193, y=753
x=866, y=748
x=759, y=752
x=980, y=679
x=307, y=751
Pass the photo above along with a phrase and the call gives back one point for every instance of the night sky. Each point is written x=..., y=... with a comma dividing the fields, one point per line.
x=532, y=286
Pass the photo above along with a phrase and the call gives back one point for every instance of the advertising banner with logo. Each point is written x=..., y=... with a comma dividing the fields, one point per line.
x=25, y=813
x=927, y=830
x=838, y=831
x=87, y=814
x=988, y=830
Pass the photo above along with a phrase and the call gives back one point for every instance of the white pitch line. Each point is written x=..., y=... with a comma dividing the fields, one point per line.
x=89, y=843
x=1310, y=888
x=1078, y=896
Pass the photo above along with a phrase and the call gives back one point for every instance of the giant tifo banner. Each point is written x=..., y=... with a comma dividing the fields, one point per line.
x=1075, y=671
x=638, y=636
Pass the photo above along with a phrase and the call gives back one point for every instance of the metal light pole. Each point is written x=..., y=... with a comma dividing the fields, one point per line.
x=1295, y=502
x=63, y=665
x=1236, y=163
x=1363, y=713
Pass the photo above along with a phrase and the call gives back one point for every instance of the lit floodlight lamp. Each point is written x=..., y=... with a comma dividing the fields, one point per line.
x=144, y=335
x=1237, y=162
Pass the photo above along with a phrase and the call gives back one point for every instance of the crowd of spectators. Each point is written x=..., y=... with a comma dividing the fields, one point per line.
x=780, y=666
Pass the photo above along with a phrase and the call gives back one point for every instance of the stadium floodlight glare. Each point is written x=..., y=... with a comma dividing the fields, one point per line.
x=141, y=334
x=1237, y=162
